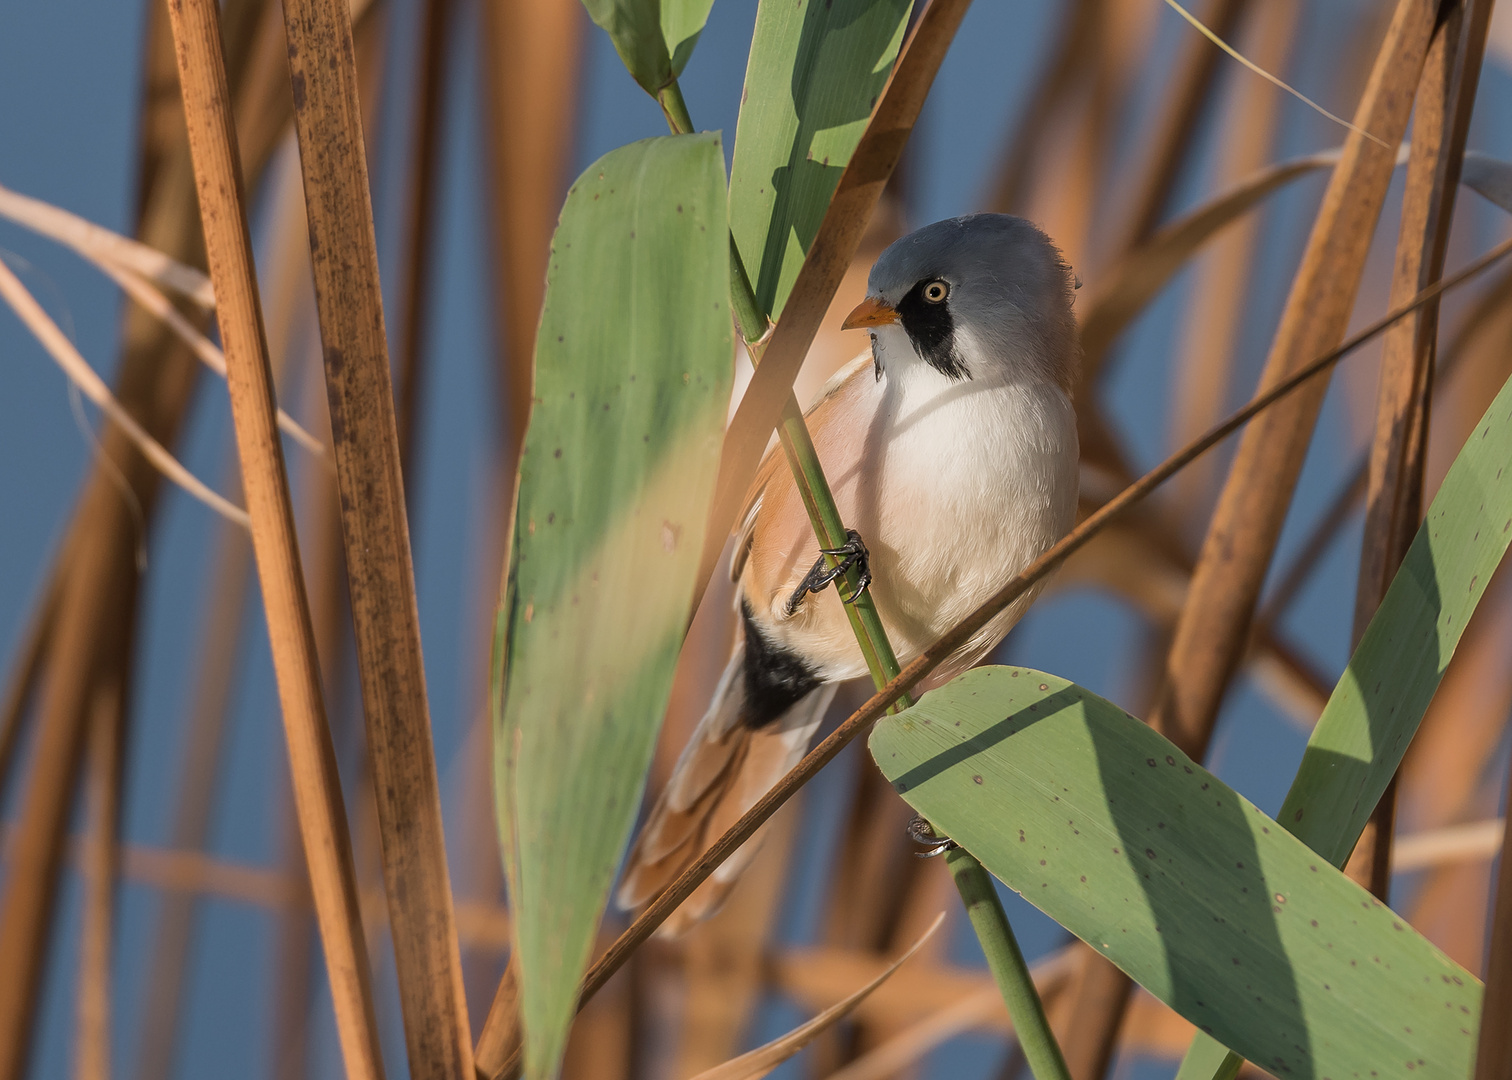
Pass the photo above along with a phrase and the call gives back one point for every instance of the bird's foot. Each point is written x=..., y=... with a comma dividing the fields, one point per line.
x=923, y=833
x=852, y=553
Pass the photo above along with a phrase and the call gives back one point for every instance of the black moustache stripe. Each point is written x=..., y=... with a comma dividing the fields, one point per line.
x=932, y=330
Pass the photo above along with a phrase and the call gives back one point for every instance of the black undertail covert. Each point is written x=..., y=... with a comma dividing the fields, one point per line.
x=775, y=678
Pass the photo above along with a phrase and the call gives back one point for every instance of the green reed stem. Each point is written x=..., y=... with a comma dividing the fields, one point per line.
x=1006, y=963
x=1004, y=958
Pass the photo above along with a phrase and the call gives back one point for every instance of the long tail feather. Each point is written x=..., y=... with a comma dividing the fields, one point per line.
x=725, y=768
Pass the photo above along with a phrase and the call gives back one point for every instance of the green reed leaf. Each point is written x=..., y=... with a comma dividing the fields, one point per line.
x=816, y=70
x=1107, y=827
x=633, y=366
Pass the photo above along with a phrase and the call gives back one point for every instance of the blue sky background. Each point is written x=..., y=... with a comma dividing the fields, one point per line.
x=69, y=75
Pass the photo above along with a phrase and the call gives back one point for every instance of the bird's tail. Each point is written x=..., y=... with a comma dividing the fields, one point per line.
x=725, y=768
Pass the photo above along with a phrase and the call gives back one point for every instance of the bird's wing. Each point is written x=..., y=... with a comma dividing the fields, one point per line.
x=773, y=461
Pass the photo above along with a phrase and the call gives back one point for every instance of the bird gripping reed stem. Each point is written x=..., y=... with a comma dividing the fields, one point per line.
x=988, y=919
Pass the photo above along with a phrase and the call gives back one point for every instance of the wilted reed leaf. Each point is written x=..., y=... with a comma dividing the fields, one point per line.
x=1138, y=278
x=758, y=1062
x=1110, y=829
x=814, y=75
x=653, y=38
x=633, y=368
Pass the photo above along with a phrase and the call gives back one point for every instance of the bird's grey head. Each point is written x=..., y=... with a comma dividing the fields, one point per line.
x=981, y=296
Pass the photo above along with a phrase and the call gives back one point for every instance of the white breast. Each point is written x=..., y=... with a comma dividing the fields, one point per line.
x=954, y=485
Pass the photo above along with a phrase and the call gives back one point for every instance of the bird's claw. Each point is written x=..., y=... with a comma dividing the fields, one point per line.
x=852, y=553
x=923, y=833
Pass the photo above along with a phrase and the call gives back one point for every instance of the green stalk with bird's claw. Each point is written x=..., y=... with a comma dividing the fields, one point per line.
x=1004, y=958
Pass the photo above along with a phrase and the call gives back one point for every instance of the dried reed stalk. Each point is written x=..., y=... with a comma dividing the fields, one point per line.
x=106, y=738
x=380, y=574
x=317, y=786
x=530, y=52
x=24, y=675
x=1394, y=498
x=415, y=267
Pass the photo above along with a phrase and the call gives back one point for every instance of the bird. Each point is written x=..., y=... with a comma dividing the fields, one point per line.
x=951, y=448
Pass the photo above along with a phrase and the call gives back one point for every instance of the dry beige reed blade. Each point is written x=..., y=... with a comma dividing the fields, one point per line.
x=207, y=351
x=757, y=1063
x=93, y=387
x=1453, y=843
x=107, y=250
x=1208, y=33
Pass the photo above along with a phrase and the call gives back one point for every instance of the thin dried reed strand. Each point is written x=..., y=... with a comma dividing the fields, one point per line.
x=1268, y=77
x=84, y=377
x=1221, y=294
x=1167, y=148
x=104, y=248
x=206, y=350
x=757, y=1063
x=1452, y=843
x=317, y=786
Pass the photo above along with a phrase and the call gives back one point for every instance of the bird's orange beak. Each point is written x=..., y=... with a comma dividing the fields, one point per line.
x=870, y=312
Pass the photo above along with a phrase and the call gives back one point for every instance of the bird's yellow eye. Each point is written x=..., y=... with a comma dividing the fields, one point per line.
x=936, y=292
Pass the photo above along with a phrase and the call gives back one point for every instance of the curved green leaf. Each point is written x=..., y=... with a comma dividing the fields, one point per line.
x=1210, y=905
x=633, y=366
x=654, y=38
x=816, y=69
